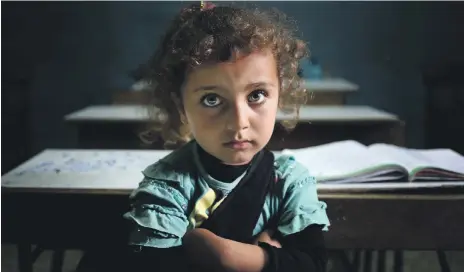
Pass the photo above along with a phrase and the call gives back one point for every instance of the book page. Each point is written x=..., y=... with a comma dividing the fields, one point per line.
x=398, y=155
x=445, y=159
x=340, y=160
x=414, y=159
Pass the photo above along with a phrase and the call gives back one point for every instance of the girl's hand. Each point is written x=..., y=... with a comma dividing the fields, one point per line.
x=266, y=237
x=213, y=253
x=204, y=248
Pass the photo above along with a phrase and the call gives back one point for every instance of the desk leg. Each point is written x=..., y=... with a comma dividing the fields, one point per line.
x=356, y=259
x=381, y=255
x=25, y=257
x=57, y=260
x=367, y=260
x=442, y=260
x=398, y=261
x=345, y=261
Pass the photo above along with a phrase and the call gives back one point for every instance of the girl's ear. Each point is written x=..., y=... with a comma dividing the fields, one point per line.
x=180, y=108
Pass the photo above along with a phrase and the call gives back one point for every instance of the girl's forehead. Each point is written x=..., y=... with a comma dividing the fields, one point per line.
x=260, y=64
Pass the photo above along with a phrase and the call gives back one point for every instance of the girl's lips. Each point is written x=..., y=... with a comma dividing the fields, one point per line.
x=238, y=145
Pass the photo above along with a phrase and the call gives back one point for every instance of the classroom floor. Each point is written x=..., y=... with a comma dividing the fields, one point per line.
x=418, y=261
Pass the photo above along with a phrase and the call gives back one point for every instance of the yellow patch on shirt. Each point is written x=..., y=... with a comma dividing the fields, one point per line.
x=203, y=208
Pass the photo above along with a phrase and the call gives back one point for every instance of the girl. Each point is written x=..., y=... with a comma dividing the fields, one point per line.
x=222, y=202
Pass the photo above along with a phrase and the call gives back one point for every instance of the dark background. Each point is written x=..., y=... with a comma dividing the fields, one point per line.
x=58, y=57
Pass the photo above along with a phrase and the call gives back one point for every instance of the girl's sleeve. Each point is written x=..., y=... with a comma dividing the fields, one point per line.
x=302, y=221
x=157, y=216
x=156, y=225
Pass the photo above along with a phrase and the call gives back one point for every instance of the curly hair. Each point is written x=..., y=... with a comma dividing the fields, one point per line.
x=197, y=36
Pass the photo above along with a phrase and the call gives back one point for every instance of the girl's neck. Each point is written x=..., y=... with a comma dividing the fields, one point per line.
x=218, y=170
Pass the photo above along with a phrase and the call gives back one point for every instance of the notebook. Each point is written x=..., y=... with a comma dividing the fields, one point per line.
x=352, y=162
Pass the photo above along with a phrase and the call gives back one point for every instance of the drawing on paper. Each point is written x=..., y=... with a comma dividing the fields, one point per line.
x=82, y=162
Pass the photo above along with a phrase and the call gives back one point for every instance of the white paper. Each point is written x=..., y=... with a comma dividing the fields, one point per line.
x=93, y=169
x=411, y=159
x=338, y=159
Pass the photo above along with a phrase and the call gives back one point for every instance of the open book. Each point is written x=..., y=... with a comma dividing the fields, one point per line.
x=352, y=162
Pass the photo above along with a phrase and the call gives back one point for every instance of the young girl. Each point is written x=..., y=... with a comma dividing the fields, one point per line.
x=222, y=202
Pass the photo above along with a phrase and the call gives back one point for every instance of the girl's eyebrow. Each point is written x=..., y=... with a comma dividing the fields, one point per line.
x=260, y=84
x=207, y=88
x=248, y=86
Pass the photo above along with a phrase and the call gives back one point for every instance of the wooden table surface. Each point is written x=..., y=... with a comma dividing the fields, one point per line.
x=80, y=207
x=119, y=126
x=319, y=113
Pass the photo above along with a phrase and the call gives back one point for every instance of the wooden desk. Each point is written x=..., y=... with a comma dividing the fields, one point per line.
x=57, y=201
x=326, y=91
x=118, y=126
x=378, y=216
x=329, y=91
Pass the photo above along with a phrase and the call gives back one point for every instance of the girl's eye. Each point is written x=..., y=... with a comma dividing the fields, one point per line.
x=211, y=100
x=257, y=96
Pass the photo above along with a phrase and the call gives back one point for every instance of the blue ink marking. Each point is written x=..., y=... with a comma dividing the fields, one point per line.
x=44, y=164
x=110, y=162
x=21, y=173
x=69, y=161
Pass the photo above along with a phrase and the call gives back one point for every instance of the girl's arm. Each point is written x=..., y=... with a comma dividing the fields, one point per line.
x=156, y=222
x=205, y=249
x=300, y=227
x=302, y=221
x=303, y=251
x=301, y=224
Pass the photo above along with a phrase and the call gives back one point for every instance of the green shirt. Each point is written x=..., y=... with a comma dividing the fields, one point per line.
x=177, y=195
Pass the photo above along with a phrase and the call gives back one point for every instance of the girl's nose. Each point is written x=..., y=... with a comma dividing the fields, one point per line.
x=238, y=118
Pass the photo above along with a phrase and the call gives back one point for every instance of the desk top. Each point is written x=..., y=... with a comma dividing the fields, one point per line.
x=138, y=113
x=330, y=85
x=119, y=172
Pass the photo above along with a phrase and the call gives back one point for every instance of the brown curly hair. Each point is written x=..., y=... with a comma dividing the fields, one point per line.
x=197, y=36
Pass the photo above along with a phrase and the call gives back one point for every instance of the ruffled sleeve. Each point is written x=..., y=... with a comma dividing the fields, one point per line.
x=300, y=205
x=158, y=209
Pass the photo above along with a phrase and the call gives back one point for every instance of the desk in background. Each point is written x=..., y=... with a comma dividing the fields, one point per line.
x=329, y=91
x=118, y=127
x=326, y=91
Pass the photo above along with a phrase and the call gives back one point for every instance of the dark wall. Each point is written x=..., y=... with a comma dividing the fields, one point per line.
x=61, y=56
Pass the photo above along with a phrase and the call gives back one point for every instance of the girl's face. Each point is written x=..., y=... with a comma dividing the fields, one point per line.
x=231, y=107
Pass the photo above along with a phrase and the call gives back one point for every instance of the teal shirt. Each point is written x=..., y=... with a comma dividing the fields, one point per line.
x=172, y=197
